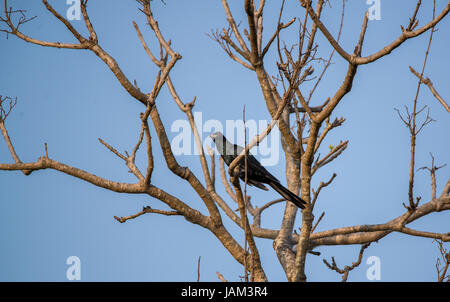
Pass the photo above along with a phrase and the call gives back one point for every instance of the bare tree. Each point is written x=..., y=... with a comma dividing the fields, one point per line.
x=284, y=97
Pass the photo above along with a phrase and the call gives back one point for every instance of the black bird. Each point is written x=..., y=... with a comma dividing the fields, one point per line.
x=256, y=173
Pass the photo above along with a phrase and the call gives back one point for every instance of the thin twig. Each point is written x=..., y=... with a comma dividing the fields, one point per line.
x=412, y=124
x=221, y=278
x=345, y=271
x=198, y=269
x=432, y=171
x=146, y=210
x=321, y=186
x=245, y=201
x=445, y=255
x=428, y=82
x=317, y=223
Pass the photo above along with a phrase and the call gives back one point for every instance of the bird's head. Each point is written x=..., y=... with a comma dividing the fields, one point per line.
x=216, y=135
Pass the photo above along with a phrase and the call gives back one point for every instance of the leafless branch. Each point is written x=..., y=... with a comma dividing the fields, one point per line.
x=414, y=129
x=432, y=171
x=328, y=62
x=255, y=262
x=146, y=210
x=12, y=102
x=221, y=278
x=213, y=166
x=406, y=35
x=368, y=233
x=445, y=255
x=198, y=269
x=329, y=126
x=280, y=27
x=225, y=42
x=333, y=154
x=413, y=22
x=112, y=149
x=428, y=82
x=258, y=210
x=345, y=271
x=317, y=223
x=92, y=34
x=233, y=26
x=321, y=186
x=3, y=115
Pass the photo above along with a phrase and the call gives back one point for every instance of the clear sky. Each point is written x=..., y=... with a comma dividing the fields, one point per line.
x=69, y=98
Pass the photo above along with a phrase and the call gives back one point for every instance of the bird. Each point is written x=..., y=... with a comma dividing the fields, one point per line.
x=257, y=175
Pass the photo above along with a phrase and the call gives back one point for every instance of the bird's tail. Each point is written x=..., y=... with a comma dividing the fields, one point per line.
x=287, y=194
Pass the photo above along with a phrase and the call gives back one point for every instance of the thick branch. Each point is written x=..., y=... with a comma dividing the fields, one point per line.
x=368, y=233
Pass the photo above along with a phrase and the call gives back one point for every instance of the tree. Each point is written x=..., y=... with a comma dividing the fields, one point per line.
x=303, y=129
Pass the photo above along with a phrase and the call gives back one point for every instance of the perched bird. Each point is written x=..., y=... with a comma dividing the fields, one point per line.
x=257, y=175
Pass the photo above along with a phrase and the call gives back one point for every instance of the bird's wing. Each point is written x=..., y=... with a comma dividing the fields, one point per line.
x=258, y=171
x=228, y=151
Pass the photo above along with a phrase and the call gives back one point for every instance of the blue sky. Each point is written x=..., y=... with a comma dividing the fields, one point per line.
x=69, y=98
